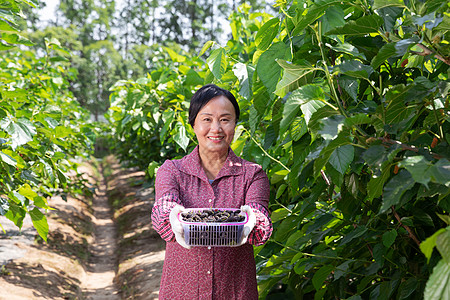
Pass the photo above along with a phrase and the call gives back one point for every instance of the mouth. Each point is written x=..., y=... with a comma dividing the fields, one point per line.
x=215, y=138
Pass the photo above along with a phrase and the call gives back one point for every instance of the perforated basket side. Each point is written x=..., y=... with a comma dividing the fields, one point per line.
x=216, y=235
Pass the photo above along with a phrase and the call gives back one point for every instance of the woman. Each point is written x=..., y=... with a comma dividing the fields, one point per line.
x=211, y=176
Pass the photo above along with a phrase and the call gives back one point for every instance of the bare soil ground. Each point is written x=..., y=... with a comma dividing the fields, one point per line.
x=100, y=247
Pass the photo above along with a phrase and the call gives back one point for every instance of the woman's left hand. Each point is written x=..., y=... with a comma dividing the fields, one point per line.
x=251, y=222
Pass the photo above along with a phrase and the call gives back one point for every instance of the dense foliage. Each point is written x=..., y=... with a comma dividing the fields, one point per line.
x=345, y=105
x=42, y=127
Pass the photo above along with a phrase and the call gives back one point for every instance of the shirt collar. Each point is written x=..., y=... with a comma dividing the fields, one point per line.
x=190, y=164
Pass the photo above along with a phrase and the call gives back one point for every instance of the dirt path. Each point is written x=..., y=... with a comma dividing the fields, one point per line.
x=100, y=246
x=99, y=282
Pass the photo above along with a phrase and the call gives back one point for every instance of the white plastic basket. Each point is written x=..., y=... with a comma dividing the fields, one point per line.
x=213, y=234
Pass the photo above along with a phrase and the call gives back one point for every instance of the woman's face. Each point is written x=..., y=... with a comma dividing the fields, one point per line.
x=214, y=125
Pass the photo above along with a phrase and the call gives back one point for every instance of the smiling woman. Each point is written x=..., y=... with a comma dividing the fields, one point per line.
x=211, y=176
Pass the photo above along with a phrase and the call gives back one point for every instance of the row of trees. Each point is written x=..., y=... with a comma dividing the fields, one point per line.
x=43, y=129
x=112, y=40
x=345, y=105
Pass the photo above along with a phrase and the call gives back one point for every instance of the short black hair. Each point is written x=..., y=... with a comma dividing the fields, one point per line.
x=204, y=95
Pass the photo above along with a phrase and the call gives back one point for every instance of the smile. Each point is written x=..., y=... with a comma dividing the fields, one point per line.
x=215, y=138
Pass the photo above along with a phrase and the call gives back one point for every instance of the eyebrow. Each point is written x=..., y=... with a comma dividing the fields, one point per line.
x=208, y=114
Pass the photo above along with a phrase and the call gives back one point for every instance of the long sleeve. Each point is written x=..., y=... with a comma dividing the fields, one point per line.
x=166, y=197
x=257, y=197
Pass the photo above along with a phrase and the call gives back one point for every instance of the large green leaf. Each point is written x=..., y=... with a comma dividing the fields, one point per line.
x=342, y=139
x=362, y=26
x=244, y=74
x=342, y=157
x=312, y=13
x=428, y=245
x=377, y=4
x=331, y=126
x=376, y=184
x=16, y=39
x=21, y=132
x=443, y=244
x=268, y=69
x=294, y=75
x=397, y=110
x=419, y=167
x=180, y=136
x=395, y=188
x=355, y=68
x=320, y=276
x=389, y=238
x=6, y=27
x=299, y=100
x=438, y=285
x=217, y=62
x=39, y=222
x=267, y=33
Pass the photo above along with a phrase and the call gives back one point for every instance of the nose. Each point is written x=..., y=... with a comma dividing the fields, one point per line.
x=216, y=126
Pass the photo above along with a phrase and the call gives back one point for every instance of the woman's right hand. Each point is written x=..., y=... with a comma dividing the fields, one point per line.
x=177, y=228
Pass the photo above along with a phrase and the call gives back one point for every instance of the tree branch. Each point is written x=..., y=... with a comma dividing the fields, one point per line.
x=411, y=234
x=427, y=51
x=406, y=147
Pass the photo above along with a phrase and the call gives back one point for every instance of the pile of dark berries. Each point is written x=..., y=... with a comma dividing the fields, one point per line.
x=213, y=216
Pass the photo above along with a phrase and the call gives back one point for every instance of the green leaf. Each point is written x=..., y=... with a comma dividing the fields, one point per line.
x=16, y=39
x=280, y=190
x=299, y=99
x=312, y=13
x=355, y=68
x=408, y=287
x=438, y=285
x=152, y=168
x=419, y=168
x=443, y=244
x=440, y=172
x=331, y=126
x=355, y=233
x=21, y=132
x=40, y=222
x=268, y=69
x=5, y=27
x=377, y=4
x=180, y=136
x=298, y=128
x=357, y=119
x=390, y=16
x=16, y=214
x=362, y=26
x=205, y=47
x=341, y=140
x=244, y=74
x=217, y=62
x=320, y=276
x=383, y=54
x=267, y=33
x=27, y=192
x=395, y=188
x=8, y=159
x=294, y=76
x=376, y=184
x=397, y=110
x=342, y=157
x=279, y=214
x=389, y=238
x=333, y=17
x=428, y=245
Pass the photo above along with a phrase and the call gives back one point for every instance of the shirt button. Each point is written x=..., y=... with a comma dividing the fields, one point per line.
x=209, y=247
x=209, y=272
x=210, y=200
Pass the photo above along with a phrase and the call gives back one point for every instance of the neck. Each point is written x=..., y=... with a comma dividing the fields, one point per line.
x=212, y=163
